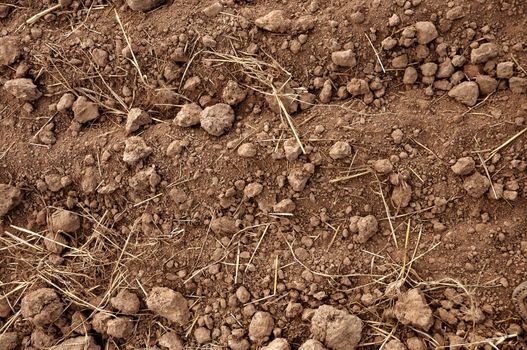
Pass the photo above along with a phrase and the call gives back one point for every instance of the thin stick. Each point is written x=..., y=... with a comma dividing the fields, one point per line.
x=237, y=265
x=506, y=143
x=148, y=200
x=134, y=62
x=256, y=249
x=275, y=274
x=376, y=53
x=39, y=15
x=345, y=178
x=388, y=214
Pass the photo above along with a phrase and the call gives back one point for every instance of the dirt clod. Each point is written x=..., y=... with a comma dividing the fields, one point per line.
x=23, y=89
x=411, y=309
x=9, y=341
x=261, y=326
x=136, y=118
x=84, y=110
x=335, y=328
x=9, y=50
x=144, y=5
x=189, y=115
x=169, y=304
x=476, y=185
x=10, y=197
x=126, y=302
x=464, y=166
x=78, y=343
x=42, y=307
x=275, y=21
x=217, y=119
x=467, y=93
x=65, y=221
x=135, y=150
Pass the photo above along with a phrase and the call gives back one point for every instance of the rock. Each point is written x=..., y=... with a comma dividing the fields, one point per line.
x=224, y=225
x=238, y=344
x=247, y=150
x=252, y=190
x=172, y=341
x=144, y=5
x=394, y=344
x=518, y=85
x=233, y=93
x=66, y=102
x=277, y=344
x=65, y=221
x=456, y=12
x=243, y=295
x=394, y=20
x=9, y=50
x=429, y=69
x=400, y=61
x=217, y=119
x=5, y=309
x=136, y=118
x=367, y=227
x=189, y=115
x=304, y=23
x=357, y=87
x=339, y=150
x=287, y=96
x=411, y=309
x=23, y=89
x=41, y=307
x=476, y=185
x=425, y=32
x=446, y=69
x=284, y=206
x=135, y=150
x=312, y=344
x=292, y=149
x=4, y=11
x=464, y=166
x=84, y=110
x=10, y=197
x=168, y=304
x=337, y=329
x=299, y=176
x=176, y=147
x=80, y=323
x=213, y=9
x=54, y=242
x=9, y=341
x=467, y=93
x=202, y=335
x=261, y=327
x=41, y=339
x=383, y=166
x=388, y=43
x=410, y=76
x=345, y=58
x=78, y=343
x=415, y=343
x=126, y=302
x=120, y=327
x=275, y=21
x=505, y=70
x=401, y=195
x=487, y=84
x=483, y=53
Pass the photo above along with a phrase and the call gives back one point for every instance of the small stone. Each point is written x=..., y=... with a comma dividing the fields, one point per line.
x=9, y=341
x=65, y=221
x=383, y=166
x=518, y=85
x=292, y=149
x=358, y=87
x=345, y=58
x=456, y=12
x=9, y=50
x=446, y=69
x=337, y=329
x=84, y=110
x=54, y=242
x=243, y=295
x=136, y=118
x=252, y=190
x=168, y=304
x=397, y=136
x=312, y=344
x=223, y=225
x=367, y=227
x=394, y=21
x=400, y=62
x=415, y=343
x=394, y=344
x=467, y=93
x=261, y=327
x=247, y=150
x=410, y=76
x=275, y=21
x=135, y=150
x=23, y=89
x=298, y=177
x=172, y=341
x=428, y=69
x=505, y=70
x=78, y=343
x=487, y=84
x=126, y=302
x=213, y=10
x=202, y=335
x=458, y=61
x=464, y=166
x=233, y=93
x=120, y=327
x=425, y=32
x=217, y=119
x=10, y=197
x=483, y=53
x=277, y=344
x=411, y=309
x=189, y=115
x=144, y=5
x=65, y=102
x=476, y=185
x=284, y=206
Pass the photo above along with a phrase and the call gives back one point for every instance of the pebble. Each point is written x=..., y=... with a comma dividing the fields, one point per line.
x=135, y=119
x=467, y=93
x=189, y=115
x=261, y=326
x=23, y=89
x=144, y=5
x=84, y=110
x=425, y=32
x=275, y=21
x=168, y=304
x=464, y=166
x=476, y=185
x=483, y=53
x=217, y=119
x=344, y=58
x=339, y=150
x=247, y=150
x=412, y=309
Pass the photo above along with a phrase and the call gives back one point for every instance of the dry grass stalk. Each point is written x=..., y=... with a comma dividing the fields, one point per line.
x=129, y=44
x=41, y=14
x=376, y=52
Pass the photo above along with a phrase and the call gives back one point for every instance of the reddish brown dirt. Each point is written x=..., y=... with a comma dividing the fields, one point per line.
x=198, y=214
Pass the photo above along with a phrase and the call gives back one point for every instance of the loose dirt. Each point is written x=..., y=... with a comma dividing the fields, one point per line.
x=255, y=174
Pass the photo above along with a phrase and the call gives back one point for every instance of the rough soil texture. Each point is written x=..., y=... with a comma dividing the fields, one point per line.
x=246, y=174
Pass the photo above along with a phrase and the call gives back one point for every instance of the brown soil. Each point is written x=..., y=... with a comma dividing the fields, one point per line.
x=337, y=174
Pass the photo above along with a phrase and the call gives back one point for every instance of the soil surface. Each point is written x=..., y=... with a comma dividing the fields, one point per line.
x=249, y=174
